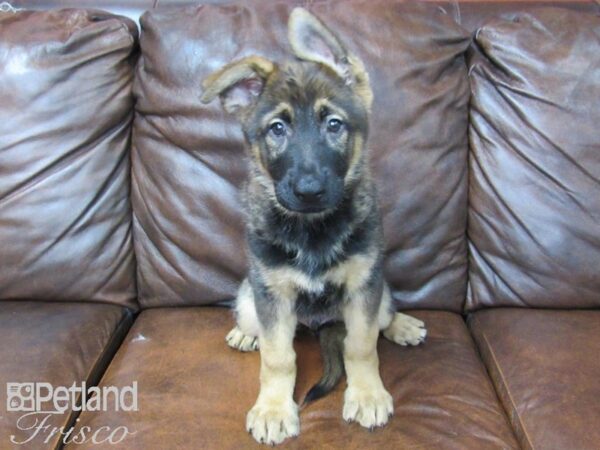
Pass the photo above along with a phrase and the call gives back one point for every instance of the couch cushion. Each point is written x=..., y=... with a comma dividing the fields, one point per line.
x=65, y=116
x=188, y=159
x=545, y=366
x=57, y=343
x=469, y=13
x=194, y=391
x=473, y=14
x=535, y=181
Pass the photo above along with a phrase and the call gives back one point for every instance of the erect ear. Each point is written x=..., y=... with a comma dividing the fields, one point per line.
x=239, y=83
x=311, y=40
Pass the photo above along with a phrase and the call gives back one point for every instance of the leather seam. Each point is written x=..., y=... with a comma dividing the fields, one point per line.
x=115, y=340
x=506, y=388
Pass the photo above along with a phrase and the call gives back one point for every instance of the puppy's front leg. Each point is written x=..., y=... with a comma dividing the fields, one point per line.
x=366, y=401
x=274, y=417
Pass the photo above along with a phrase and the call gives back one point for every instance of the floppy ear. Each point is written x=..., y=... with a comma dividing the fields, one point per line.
x=238, y=84
x=311, y=40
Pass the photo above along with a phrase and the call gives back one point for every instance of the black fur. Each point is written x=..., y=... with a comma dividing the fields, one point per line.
x=321, y=243
x=331, y=340
x=316, y=310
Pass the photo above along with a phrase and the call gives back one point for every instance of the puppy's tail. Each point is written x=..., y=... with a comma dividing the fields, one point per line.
x=331, y=340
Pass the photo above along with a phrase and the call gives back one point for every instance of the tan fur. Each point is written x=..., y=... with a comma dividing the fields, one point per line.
x=385, y=315
x=245, y=310
x=346, y=65
x=302, y=22
x=366, y=400
x=241, y=341
x=260, y=163
x=279, y=109
x=287, y=281
x=218, y=82
x=274, y=416
x=363, y=85
x=399, y=328
x=324, y=102
x=352, y=273
x=405, y=330
x=357, y=153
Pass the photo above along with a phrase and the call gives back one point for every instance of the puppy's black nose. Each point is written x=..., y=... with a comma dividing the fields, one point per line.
x=309, y=188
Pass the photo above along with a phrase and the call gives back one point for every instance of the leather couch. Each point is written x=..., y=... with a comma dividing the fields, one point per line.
x=121, y=235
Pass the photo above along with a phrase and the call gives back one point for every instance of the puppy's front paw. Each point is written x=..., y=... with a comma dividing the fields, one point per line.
x=238, y=340
x=369, y=407
x=405, y=330
x=272, y=422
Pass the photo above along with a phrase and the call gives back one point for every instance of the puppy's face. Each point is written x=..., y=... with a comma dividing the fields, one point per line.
x=306, y=121
x=306, y=130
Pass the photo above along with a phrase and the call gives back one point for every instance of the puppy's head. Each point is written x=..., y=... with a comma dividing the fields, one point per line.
x=306, y=120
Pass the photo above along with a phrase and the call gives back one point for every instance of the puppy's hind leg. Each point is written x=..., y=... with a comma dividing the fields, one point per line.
x=244, y=336
x=398, y=327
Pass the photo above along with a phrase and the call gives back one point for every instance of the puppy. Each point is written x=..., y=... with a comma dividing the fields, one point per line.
x=314, y=233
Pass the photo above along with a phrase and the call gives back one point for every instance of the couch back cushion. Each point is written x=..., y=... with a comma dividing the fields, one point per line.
x=189, y=159
x=534, y=216
x=65, y=114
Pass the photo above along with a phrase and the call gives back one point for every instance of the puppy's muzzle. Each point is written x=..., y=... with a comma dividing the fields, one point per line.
x=309, y=190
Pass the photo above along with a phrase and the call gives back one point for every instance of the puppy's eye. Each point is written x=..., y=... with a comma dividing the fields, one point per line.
x=334, y=125
x=277, y=128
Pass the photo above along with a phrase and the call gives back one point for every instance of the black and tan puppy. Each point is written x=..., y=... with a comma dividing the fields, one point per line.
x=313, y=228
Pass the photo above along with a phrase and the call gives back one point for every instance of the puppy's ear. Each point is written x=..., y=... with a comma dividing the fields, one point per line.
x=311, y=40
x=238, y=84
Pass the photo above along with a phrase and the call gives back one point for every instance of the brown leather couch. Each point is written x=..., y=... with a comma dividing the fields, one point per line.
x=121, y=235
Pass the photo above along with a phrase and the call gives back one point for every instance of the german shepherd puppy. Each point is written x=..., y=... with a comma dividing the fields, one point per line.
x=313, y=228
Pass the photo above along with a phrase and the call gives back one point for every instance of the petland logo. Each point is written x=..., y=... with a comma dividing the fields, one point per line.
x=40, y=401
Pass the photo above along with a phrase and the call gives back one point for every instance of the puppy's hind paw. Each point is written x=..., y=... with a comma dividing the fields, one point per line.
x=238, y=340
x=405, y=330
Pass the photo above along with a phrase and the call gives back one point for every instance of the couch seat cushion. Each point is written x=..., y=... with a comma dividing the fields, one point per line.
x=545, y=366
x=194, y=391
x=56, y=343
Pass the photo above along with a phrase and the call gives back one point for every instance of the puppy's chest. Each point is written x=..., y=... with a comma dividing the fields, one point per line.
x=349, y=275
x=314, y=309
x=319, y=299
